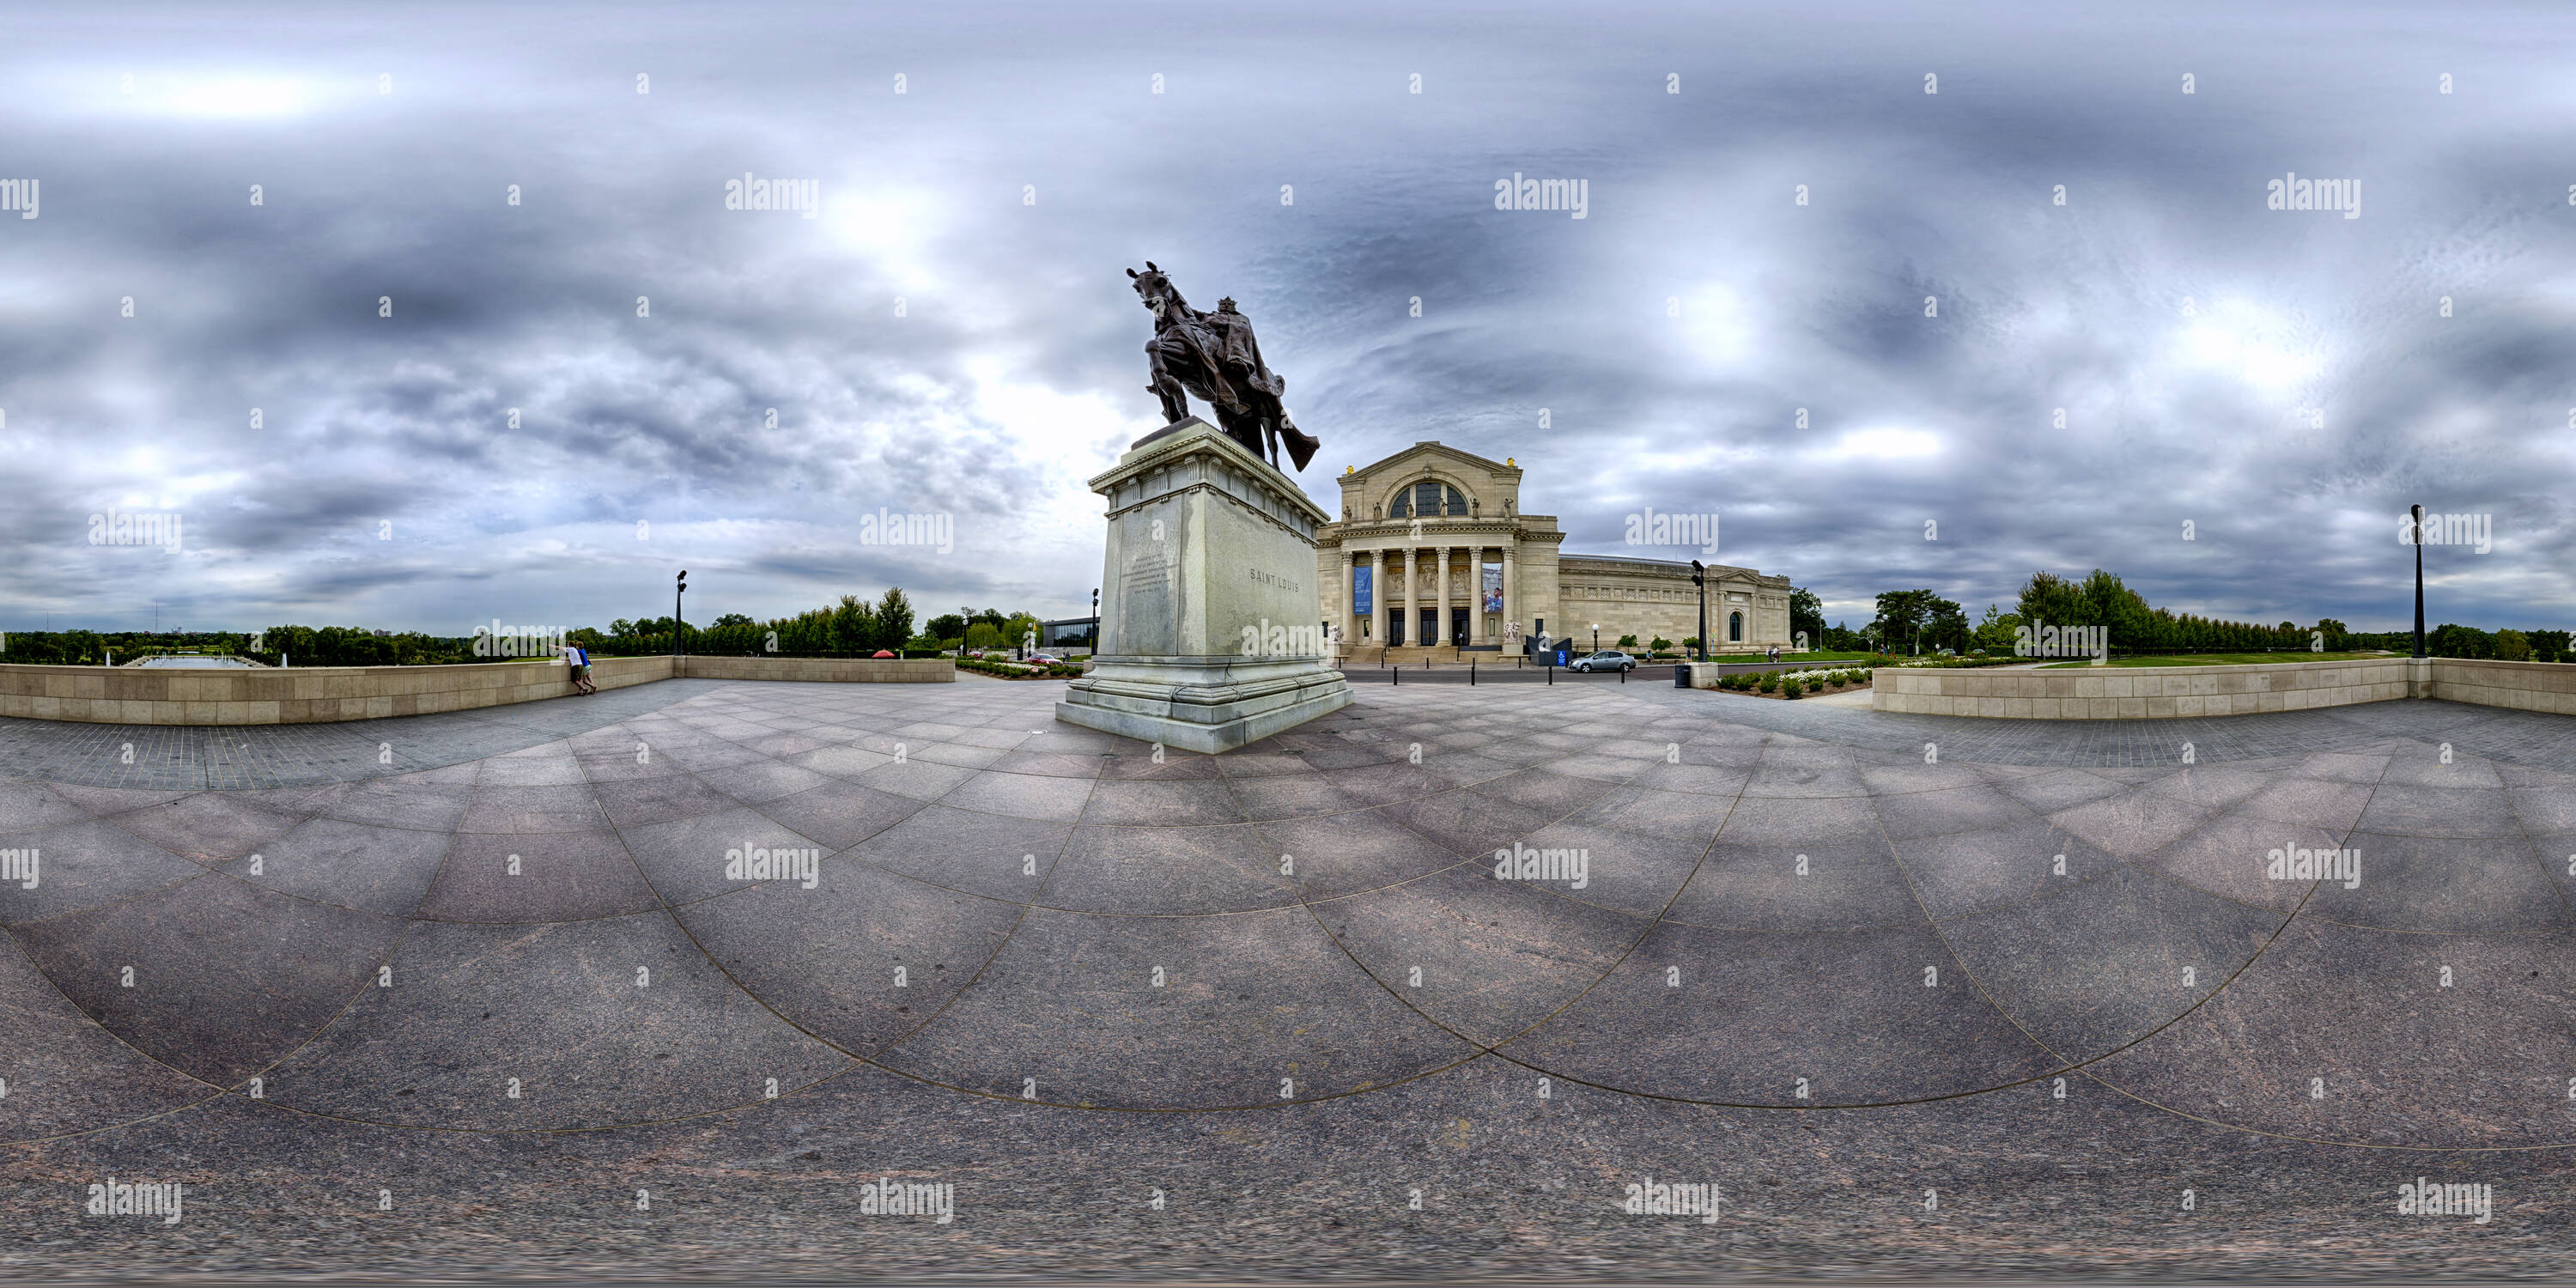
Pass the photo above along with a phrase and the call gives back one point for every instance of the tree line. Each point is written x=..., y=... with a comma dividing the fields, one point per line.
x=326, y=646
x=1907, y=621
x=1922, y=621
x=851, y=627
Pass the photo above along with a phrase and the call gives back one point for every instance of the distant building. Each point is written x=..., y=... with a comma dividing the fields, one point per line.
x=1069, y=633
x=1432, y=546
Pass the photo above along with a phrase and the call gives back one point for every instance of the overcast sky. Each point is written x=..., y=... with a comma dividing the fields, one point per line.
x=2193, y=337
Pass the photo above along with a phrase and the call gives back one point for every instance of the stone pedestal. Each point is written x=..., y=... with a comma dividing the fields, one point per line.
x=1208, y=630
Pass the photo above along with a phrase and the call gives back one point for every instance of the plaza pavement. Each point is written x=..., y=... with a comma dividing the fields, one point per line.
x=1918, y=994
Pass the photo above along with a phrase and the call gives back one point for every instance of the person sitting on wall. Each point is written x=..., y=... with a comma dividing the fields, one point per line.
x=578, y=659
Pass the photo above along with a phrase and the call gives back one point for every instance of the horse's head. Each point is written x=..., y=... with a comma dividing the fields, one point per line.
x=1155, y=288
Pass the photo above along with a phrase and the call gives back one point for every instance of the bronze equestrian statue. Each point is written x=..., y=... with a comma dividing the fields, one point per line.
x=1214, y=357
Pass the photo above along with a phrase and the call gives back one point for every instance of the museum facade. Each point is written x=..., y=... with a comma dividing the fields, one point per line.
x=1432, y=548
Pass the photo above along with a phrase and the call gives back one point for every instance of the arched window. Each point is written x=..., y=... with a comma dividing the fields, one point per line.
x=1735, y=628
x=1429, y=498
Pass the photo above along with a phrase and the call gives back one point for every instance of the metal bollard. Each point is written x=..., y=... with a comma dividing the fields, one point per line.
x=1551, y=673
x=1395, y=674
x=1471, y=672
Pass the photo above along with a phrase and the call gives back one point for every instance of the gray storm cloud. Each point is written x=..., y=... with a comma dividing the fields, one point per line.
x=952, y=331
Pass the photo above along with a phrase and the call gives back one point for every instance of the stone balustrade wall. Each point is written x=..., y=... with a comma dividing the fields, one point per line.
x=307, y=695
x=2175, y=692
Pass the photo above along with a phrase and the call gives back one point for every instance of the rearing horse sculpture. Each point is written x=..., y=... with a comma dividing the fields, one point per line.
x=1214, y=357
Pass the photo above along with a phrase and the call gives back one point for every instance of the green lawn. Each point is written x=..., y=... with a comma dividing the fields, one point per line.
x=2231, y=659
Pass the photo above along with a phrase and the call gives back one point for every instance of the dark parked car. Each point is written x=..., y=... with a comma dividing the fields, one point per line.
x=1608, y=659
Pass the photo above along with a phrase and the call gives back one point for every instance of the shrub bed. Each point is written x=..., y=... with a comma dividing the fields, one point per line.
x=1787, y=685
x=1016, y=671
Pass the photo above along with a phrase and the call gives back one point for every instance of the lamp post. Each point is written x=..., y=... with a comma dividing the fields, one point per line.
x=2416, y=531
x=1699, y=578
x=1596, y=637
x=681, y=589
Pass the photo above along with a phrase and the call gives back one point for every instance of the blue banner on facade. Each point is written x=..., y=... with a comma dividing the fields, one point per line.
x=1360, y=597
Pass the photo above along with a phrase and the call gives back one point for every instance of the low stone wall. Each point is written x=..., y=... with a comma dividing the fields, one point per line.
x=292, y=695
x=2523, y=686
x=825, y=670
x=310, y=695
x=2173, y=692
x=2139, y=693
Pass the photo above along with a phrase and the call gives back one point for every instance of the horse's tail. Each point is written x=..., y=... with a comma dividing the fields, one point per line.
x=1301, y=445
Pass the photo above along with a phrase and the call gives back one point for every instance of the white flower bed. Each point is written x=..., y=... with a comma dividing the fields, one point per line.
x=1809, y=679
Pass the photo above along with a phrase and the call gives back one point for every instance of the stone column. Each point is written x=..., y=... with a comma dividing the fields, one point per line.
x=1377, y=597
x=1412, y=619
x=1442, y=599
x=1510, y=592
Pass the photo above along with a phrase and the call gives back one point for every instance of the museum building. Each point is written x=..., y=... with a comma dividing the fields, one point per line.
x=1433, y=549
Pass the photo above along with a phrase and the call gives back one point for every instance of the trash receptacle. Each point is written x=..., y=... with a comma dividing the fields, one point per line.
x=1681, y=676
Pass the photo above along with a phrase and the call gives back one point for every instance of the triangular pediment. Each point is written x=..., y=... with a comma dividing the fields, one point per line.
x=1422, y=454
